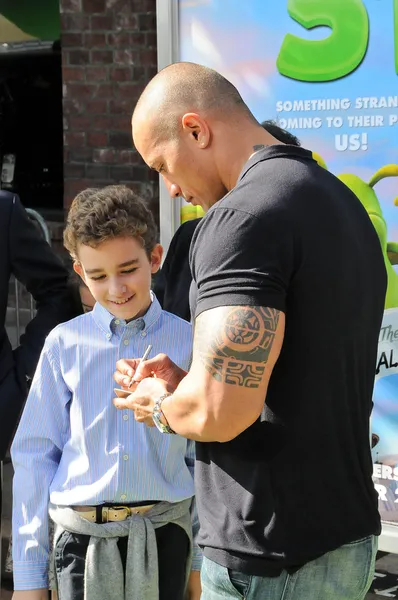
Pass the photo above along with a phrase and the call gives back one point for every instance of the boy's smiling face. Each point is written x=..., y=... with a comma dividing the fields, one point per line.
x=118, y=274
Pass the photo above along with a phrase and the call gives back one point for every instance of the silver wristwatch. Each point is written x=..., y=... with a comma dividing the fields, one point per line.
x=158, y=414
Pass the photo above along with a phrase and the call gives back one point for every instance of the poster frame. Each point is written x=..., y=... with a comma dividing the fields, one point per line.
x=168, y=52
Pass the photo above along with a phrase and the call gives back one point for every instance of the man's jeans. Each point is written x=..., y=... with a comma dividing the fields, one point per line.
x=344, y=574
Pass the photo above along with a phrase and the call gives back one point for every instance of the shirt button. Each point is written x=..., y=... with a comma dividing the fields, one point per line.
x=143, y=334
x=126, y=457
x=117, y=322
x=126, y=342
x=125, y=417
x=108, y=336
x=123, y=497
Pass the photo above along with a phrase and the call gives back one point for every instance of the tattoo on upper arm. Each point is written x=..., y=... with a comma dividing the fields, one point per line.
x=238, y=351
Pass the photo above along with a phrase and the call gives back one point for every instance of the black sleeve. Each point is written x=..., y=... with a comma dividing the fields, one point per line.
x=173, y=282
x=35, y=265
x=162, y=278
x=243, y=260
x=160, y=282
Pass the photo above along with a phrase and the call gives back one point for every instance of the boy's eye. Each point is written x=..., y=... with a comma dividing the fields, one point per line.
x=130, y=270
x=98, y=278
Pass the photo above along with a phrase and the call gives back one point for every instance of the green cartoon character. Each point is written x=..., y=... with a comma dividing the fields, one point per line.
x=365, y=192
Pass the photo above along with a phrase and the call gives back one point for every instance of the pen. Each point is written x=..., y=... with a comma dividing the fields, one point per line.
x=145, y=356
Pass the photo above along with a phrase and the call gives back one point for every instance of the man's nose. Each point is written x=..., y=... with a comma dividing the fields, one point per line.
x=173, y=189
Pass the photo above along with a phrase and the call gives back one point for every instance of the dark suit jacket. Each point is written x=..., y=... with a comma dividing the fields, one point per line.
x=24, y=253
x=174, y=280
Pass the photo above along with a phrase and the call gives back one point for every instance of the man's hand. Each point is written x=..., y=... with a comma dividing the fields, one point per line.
x=143, y=399
x=194, y=589
x=30, y=595
x=160, y=366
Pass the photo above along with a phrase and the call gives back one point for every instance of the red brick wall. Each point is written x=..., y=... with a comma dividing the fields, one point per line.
x=109, y=54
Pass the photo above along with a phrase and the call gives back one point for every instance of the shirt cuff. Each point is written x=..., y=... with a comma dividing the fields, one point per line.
x=30, y=575
x=197, y=558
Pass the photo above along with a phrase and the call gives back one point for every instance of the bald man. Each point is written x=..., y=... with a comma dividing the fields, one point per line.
x=288, y=296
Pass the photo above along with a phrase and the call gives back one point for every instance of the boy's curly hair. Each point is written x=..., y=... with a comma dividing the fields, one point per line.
x=98, y=215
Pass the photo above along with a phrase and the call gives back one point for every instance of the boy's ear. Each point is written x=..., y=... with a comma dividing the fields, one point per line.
x=79, y=270
x=156, y=258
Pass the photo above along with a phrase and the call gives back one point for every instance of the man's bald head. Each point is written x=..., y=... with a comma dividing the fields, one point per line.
x=188, y=88
x=192, y=126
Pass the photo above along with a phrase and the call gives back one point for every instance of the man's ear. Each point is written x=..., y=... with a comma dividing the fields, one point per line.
x=77, y=267
x=156, y=258
x=197, y=129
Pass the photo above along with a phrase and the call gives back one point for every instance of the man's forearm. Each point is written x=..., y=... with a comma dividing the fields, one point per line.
x=186, y=411
x=206, y=410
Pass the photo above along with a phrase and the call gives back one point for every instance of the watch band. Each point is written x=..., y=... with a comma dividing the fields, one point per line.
x=158, y=414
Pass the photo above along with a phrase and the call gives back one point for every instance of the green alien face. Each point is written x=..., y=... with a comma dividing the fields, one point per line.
x=366, y=194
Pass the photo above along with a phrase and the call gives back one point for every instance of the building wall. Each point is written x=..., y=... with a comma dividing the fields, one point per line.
x=109, y=54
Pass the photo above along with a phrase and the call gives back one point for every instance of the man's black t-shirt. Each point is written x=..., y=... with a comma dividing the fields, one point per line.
x=297, y=483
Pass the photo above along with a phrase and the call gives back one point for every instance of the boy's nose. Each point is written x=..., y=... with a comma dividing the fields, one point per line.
x=117, y=288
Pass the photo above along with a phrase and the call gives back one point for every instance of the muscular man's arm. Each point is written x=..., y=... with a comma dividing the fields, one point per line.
x=235, y=350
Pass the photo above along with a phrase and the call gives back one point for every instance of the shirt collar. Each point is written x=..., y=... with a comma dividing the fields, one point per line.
x=107, y=322
x=275, y=151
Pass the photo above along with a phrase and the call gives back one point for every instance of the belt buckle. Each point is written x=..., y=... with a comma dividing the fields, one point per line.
x=126, y=508
x=105, y=514
x=114, y=509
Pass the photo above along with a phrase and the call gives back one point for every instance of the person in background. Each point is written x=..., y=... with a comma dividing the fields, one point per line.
x=173, y=281
x=26, y=255
x=171, y=284
x=121, y=496
x=283, y=136
x=83, y=299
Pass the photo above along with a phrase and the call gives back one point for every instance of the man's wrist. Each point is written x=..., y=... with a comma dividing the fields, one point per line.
x=158, y=416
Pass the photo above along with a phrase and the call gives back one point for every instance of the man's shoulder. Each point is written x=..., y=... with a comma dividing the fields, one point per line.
x=259, y=195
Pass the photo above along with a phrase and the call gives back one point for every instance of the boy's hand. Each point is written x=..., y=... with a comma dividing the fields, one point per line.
x=30, y=595
x=142, y=400
x=194, y=590
x=160, y=366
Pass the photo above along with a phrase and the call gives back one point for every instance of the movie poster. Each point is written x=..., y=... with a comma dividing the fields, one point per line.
x=326, y=70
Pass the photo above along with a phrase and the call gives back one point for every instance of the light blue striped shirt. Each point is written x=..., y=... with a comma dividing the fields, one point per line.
x=75, y=448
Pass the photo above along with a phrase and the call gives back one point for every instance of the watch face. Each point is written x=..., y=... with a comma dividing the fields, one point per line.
x=156, y=419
